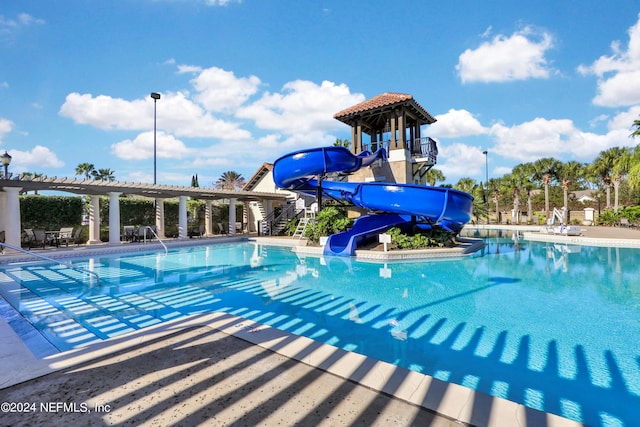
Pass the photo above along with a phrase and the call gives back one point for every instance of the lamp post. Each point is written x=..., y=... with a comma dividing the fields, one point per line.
x=486, y=181
x=155, y=97
x=6, y=161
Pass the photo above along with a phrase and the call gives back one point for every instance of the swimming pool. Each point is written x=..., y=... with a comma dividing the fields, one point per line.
x=554, y=327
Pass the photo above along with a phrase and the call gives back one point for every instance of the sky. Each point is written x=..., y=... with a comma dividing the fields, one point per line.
x=244, y=82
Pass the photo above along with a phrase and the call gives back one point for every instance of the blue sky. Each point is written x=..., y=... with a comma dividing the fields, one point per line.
x=243, y=82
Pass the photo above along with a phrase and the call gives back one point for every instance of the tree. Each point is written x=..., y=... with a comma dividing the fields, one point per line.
x=602, y=169
x=636, y=132
x=85, y=169
x=572, y=172
x=194, y=181
x=103, y=175
x=230, y=180
x=434, y=175
x=493, y=186
x=342, y=143
x=545, y=172
x=469, y=185
x=526, y=173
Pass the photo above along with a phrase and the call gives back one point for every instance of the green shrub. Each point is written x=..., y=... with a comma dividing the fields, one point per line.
x=434, y=238
x=330, y=220
x=50, y=212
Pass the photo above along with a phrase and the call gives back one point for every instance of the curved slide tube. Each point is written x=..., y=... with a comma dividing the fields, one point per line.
x=443, y=207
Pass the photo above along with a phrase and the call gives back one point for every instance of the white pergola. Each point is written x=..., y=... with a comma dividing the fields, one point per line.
x=11, y=189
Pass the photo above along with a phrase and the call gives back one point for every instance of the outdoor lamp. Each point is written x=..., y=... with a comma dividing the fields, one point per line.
x=6, y=161
x=155, y=97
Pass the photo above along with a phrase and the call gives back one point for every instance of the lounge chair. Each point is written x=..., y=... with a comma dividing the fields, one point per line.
x=222, y=229
x=129, y=232
x=624, y=222
x=197, y=232
x=66, y=235
x=35, y=237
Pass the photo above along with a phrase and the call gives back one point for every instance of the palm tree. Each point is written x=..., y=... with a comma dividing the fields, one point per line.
x=546, y=171
x=469, y=185
x=434, y=175
x=103, y=175
x=602, y=169
x=633, y=176
x=466, y=184
x=571, y=173
x=493, y=186
x=526, y=172
x=636, y=132
x=85, y=169
x=230, y=180
x=342, y=143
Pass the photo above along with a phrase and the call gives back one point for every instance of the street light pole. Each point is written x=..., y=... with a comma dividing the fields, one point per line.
x=486, y=182
x=155, y=97
x=6, y=160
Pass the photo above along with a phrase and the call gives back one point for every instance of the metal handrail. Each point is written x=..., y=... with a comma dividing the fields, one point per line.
x=46, y=258
x=166, y=251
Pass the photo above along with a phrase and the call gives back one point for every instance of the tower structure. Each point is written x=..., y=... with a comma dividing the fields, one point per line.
x=392, y=121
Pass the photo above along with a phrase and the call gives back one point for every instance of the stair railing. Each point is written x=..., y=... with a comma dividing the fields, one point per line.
x=46, y=258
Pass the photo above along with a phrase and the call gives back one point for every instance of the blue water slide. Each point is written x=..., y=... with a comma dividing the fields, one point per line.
x=397, y=203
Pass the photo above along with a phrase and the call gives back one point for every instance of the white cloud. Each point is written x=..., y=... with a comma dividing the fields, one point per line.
x=301, y=107
x=33, y=161
x=188, y=69
x=175, y=114
x=167, y=146
x=23, y=19
x=541, y=137
x=520, y=56
x=460, y=160
x=6, y=126
x=456, y=123
x=618, y=74
x=221, y=90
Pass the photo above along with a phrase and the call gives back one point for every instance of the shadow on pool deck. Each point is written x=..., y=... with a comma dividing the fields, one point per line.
x=198, y=375
x=201, y=374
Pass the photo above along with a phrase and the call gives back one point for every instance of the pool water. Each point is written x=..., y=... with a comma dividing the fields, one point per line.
x=554, y=327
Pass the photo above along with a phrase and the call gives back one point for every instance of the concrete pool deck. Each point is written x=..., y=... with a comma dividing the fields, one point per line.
x=222, y=370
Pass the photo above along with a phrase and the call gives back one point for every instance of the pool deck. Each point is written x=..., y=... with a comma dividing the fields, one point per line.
x=221, y=369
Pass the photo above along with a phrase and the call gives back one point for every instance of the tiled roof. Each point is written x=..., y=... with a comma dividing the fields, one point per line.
x=385, y=100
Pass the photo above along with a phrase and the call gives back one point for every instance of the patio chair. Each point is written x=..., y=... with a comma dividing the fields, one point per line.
x=624, y=222
x=197, y=232
x=128, y=233
x=222, y=229
x=2, y=240
x=35, y=237
x=66, y=235
x=76, y=236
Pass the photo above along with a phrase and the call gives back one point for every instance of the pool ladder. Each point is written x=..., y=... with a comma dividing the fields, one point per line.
x=46, y=258
x=166, y=251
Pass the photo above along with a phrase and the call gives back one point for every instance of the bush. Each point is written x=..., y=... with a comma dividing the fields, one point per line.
x=434, y=238
x=50, y=212
x=330, y=220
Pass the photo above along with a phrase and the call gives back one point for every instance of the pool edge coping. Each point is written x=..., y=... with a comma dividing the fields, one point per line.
x=448, y=399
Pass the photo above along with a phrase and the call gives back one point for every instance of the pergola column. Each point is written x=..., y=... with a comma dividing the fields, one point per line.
x=12, y=216
x=232, y=217
x=94, y=220
x=247, y=214
x=114, y=218
x=208, y=225
x=160, y=218
x=182, y=218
